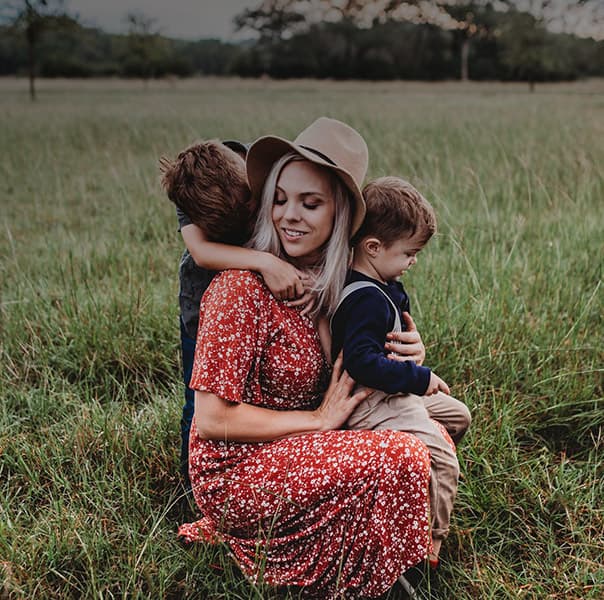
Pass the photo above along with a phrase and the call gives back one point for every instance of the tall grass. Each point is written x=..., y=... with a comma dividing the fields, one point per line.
x=508, y=298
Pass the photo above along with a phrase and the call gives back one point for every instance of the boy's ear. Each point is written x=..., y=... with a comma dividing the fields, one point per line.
x=371, y=246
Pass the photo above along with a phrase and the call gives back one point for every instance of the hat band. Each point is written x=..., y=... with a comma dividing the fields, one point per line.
x=319, y=154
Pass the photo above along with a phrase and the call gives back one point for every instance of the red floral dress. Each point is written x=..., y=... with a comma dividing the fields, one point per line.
x=336, y=512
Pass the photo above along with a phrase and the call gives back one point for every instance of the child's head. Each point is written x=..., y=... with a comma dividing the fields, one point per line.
x=207, y=181
x=399, y=222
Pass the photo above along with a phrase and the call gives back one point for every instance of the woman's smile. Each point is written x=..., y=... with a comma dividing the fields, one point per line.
x=293, y=233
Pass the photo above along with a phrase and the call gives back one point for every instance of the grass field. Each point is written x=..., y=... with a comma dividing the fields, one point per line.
x=508, y=298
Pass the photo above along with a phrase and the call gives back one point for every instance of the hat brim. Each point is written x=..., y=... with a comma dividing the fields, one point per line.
x=267, y=150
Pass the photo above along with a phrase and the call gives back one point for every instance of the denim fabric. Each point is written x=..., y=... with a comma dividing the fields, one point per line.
x=187, y=345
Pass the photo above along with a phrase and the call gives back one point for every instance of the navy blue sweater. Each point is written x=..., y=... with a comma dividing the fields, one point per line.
x=359, y=327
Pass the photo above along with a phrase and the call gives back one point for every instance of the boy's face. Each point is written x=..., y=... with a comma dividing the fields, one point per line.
x=393, y=261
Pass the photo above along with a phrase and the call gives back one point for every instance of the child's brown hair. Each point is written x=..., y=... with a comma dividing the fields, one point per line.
x=207, y=181
x=395, y=209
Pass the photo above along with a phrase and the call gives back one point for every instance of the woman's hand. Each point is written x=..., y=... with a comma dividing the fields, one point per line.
x=283, y=279
x=406, y=345
x=337, y=403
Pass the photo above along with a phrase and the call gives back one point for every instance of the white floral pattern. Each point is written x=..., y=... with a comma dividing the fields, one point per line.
x=338, y=513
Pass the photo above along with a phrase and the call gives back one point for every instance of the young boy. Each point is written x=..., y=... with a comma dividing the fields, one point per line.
x=398, y=224
x=207, y=182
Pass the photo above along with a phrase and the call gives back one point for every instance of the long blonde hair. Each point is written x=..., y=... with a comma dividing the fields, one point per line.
x=330, y=271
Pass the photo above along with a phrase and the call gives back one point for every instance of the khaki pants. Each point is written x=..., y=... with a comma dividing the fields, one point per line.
x=414, y=414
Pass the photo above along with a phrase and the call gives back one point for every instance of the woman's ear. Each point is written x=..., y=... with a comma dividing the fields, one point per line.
x=372, y=246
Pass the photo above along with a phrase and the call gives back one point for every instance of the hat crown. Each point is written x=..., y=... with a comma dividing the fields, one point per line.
x=326, y=142
x=339, y=143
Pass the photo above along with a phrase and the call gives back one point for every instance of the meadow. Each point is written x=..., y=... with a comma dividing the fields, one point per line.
x=508, y=298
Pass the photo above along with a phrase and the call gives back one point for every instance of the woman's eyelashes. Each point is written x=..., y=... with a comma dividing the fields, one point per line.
x=308, y=204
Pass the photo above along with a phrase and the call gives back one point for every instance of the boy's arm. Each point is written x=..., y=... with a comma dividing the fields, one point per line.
x=282, y=278
x=409, y=344
x=364, y=318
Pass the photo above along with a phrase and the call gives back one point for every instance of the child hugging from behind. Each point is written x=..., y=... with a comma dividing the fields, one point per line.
x=207, y=183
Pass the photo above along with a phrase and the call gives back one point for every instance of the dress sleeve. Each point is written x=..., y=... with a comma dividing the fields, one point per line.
x=233, y=321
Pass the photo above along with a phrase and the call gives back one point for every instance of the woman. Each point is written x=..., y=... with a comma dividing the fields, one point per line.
x=298, y=501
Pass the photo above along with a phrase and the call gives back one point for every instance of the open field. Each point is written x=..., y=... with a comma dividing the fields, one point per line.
x=508, y=298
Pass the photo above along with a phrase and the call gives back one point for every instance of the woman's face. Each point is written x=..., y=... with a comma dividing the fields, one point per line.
x=303, y=210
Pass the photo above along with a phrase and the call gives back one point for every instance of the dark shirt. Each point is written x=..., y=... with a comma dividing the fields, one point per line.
x=194, y=281
x=359, y=327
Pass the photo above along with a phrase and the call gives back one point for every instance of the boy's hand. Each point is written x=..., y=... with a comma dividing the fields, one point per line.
x=283, y=279
x=406, y=345
x=436, y=385
x=308, y=301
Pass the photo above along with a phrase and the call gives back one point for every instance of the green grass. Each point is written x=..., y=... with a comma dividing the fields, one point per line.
x=508, y=298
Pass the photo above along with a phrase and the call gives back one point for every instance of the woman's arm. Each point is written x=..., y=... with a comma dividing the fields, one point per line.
x=218, y=419
x=282, y=278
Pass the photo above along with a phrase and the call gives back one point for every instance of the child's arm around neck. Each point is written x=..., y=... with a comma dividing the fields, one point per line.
x=282, y=278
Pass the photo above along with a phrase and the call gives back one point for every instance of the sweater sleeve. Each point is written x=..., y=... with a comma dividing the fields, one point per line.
x=364, y=319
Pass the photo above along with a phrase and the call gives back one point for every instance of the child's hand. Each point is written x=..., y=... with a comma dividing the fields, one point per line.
x=283, y=279
x=307, y=301
x=436, y=385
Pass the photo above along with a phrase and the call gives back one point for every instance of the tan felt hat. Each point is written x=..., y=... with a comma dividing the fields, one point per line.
x=326, y=142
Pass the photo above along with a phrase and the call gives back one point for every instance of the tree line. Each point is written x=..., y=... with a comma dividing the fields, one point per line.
x=484, y=43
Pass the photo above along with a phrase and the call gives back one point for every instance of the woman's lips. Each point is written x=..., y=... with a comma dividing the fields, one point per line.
x=292, y=234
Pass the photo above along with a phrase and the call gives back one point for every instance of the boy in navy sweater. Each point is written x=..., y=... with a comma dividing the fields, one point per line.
x=398, y=224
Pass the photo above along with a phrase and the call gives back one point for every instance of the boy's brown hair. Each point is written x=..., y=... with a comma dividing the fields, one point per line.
x=207, y=181
x=395, y=209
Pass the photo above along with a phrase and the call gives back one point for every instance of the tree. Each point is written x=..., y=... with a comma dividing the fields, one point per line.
x=274, y=21
x=32, y=18
x=473, y=21
x=525, y=51
x=146, y=48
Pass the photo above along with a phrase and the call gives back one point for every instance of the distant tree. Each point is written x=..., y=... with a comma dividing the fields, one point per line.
x=211, y=56
x=147, y=50
x=32, y=18
x=474, y=21
x=274, y=21
x=524, y=48
x=491, y=38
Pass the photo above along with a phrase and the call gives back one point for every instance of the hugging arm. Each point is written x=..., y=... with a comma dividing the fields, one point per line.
x=282, y=278
x=218, y=419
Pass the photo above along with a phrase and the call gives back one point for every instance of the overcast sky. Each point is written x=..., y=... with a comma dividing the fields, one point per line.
x=189, y=19
x=195, y=19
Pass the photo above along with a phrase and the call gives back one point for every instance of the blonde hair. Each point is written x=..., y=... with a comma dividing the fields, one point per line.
x=330, y=272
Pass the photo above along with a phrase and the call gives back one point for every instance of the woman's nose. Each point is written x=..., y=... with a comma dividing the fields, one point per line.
x=292, y=211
